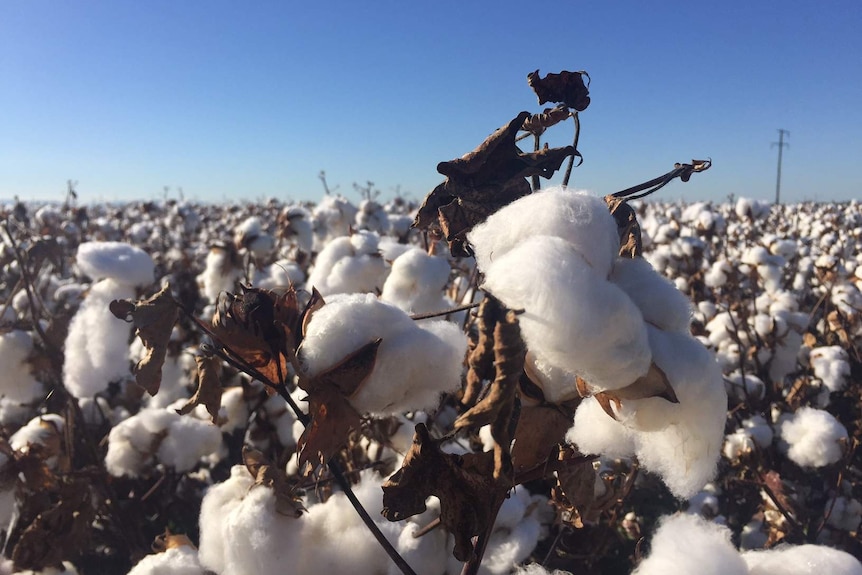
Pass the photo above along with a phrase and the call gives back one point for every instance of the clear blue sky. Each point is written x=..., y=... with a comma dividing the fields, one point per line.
x=245, y=100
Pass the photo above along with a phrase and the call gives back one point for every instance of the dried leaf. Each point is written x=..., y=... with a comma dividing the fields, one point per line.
x=565, y=87
x=287, y=502
x=315, y=302
x=208, y=392
x=538, y=123
x=631, y=244
x=154, y=320
x=483, y=181
x=481, y=358
x=653, y=384
x=540, y=428
x=469, y=496
x=257, y=326
x=168, y=540
x=332, y=415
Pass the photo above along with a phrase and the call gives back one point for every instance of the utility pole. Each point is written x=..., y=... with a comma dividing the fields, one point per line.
x=780, y=143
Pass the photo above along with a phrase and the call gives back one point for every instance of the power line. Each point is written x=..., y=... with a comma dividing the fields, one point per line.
x=780, y=143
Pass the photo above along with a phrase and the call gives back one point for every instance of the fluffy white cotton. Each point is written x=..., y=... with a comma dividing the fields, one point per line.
x=222, y=272
x=801, y=560
x=678, y=441
x=119, y=261
x=45, y=430
x=16, y=380
x=181, y=560
x=97, y=346
x=831, y=366
x=174, y=440
x=686, y=544
x=349, y=264
x=743, y=387
x=415, y=363
x=279, y=275
x=846, y=514
x=582, y=220
x=416, y=282
x=536, y=569
x=813, y=437
x=656, y=297
x=574, y=319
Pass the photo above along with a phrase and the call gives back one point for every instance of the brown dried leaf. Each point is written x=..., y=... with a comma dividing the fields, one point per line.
x=208, y=392
x=332, y=415
x=565, y=87
x=168, y=540
x=154, y=320
x=540, y=428
x=315, y=302
x=469, y=496
x=653, y=384
x=257, y=326
x=287, y=502
x=538, y=123
x=631, y=244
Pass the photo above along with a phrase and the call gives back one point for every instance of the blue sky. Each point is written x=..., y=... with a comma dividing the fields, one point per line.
x=242, y=101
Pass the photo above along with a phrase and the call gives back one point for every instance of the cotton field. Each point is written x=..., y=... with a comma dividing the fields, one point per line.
x=694, y=409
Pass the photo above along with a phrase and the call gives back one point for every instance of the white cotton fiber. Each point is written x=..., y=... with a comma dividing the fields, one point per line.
x=218, y=504
x=685, y=544
x=657, y=298
x=349, y=264
x=220, y=274
x=813, y=437
x=16, y=380
x=536, y=569
x=188, y=440
x=801, y=560
x=416, y=281
x=97, y=346
x=574, y=319
x=582, y=220
x=595, y=432
x=181, y=560
x=414, y=365
x=119, y=261
x=831, y=366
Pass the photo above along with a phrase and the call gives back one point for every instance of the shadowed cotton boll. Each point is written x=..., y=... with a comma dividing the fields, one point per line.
x=580, y=219
x=659, y=301
x=686, y=544
x=812, y=437
x=416, y=282
x=16, y=380
x=801, y=560
x=222, y=272
x=831, y=366
x=415, y=363
x=574, y=319
x=182, y=560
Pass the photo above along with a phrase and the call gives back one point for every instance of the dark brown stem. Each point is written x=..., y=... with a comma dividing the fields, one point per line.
x=464, y=307
x=571, y=163
x=536, y=147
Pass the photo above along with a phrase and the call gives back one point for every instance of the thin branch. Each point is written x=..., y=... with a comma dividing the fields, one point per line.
x=682, y=171
x=450, y=311
x=571, y=163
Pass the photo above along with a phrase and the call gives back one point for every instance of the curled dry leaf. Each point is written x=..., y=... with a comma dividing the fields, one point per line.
x=653, y=384
x=566, y=87
x=208, y=382
x=468, y=493
x=480, y=360
x=631, y=244
x=332, y=415
x=287, y=502
x=540, y=429
x=154, y=320
x=258, y=327
x=483, y=181
x=538, y=123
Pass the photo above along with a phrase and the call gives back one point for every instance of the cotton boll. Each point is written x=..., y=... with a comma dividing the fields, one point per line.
x=582, y=220
x=846, y=514
x=414, y=363
x=182, y=560
x=594, y=431
x=557, y=384
x=349, y=265
x=416, y=282
x=831, y=366
x=96, y=348
x=188, y=440
x=281, y=274
x=573, y=319
x=234, y=410
x=218, y=503
x=742, y=387
x=130, y=442
x=424, y=554
x=371, y=216
x=737, y=444
x=17, y=383
x=657, y=298
x=813, y=437
x=222, y=272
x=685, y=544
x=759, y=430
x=717, y=274
x=705, y=502
x=536, y=569
x=121, y=262
x=801, y=560
x=45, y=430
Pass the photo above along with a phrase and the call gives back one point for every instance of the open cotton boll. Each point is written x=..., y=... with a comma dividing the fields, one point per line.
x=116, y=260
x=717, y=274
x=536, y=569
x=657, y=298
x=801, y=560
x=759, y=429
x=16, y=380
x=182, y=560
x=349, y=264
x=737, y=444
x=686, y=544
x=594, y=432
x=217, y=504
x=574, y=319
x=221, y=273
x=414, y=364
x=41, y=430
x=813, y=437
x=741, y=386
x=281, y=274
x=97, y=348
x=582, y=220
x=188, y=440
x=830, y=364
x=416, y=281
x=846, y=514
x=424, y=554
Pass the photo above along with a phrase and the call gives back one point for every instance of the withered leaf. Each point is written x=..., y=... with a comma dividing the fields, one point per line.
x=540, y=428
x=565, y=87
x=287, y=502
x=464, y=484
x=315, y=302
x=652, y=384
x=168, y=540
x=208, y=392
x=483, y=181
x=332, y=415
x=154, y=320
x=257, y=326
x=538, y=123
x=628, y=228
